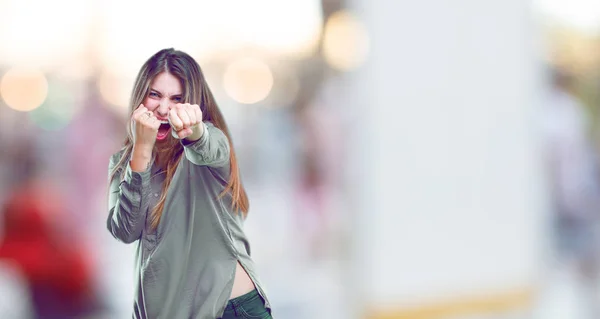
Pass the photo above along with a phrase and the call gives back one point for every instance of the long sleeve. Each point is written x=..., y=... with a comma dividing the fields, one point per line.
x=127, y=203
x=212, y=149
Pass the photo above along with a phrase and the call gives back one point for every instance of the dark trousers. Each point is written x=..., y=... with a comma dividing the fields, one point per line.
x=249, y=306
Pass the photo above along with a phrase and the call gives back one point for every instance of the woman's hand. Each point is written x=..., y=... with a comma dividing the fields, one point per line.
x=145, y=127
x=185, y=120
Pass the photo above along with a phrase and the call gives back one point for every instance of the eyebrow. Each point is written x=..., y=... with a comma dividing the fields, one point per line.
x=157, y=91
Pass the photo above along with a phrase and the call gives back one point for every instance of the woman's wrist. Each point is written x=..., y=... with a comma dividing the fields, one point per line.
x=198, y=131
x=141, y=157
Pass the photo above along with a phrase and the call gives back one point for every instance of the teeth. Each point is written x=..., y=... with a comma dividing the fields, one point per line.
x=164, y=122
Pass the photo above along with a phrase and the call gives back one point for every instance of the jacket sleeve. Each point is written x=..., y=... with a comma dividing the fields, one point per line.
x=212, y=149
x=127, y=203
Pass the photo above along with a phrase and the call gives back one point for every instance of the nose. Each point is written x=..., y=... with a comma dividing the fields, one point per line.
x=163, y=108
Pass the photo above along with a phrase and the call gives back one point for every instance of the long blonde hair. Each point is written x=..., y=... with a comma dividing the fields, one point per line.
x=195, y=91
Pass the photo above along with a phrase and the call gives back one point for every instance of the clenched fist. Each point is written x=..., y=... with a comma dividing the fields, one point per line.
x=145, y=127
x=185, y=120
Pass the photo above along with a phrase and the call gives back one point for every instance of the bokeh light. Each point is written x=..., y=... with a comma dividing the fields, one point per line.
x=345, y=41
x=23, y=89
x=248, y=80
x=115, y=90
x=58, y=109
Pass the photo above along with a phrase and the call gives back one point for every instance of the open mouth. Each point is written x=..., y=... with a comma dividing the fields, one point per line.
x=163, y=130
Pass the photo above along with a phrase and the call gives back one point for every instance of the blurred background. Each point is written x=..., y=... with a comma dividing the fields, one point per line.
x=423, y=159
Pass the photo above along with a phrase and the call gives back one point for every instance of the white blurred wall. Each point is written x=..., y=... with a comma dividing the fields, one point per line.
x=450, y=192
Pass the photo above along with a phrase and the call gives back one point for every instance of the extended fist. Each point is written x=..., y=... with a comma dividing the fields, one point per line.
x=184, y=119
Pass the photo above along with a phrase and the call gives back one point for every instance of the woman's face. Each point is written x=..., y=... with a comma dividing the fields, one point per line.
x=165, y=91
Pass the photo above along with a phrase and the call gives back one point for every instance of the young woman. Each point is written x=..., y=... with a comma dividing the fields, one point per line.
x=175, y=189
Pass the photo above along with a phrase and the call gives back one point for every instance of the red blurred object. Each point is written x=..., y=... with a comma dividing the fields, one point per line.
x=57, y=272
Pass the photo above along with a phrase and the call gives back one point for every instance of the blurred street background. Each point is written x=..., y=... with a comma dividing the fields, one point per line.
x=404, y=159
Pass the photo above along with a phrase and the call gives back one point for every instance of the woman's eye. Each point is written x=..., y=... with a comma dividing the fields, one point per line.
x=153, y=94
x=177, y=99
